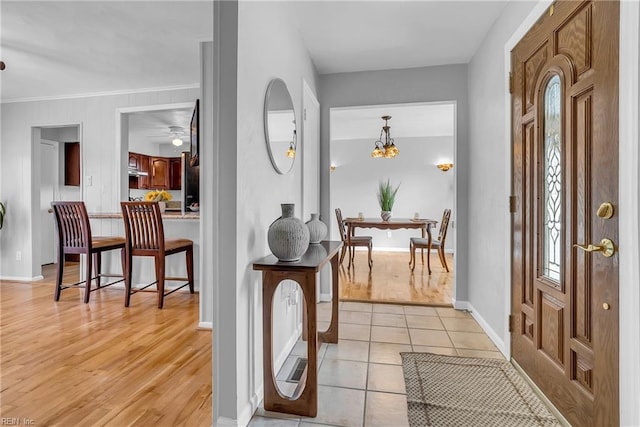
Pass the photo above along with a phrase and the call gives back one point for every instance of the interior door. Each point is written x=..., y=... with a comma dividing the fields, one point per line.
x=565, y=170
x=48, y=185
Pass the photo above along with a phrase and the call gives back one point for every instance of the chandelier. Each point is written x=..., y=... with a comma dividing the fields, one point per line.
x=387, y=148
x=291, y=152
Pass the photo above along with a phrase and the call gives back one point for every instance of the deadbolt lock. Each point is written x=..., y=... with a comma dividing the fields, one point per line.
x=606, y=246
x=605, y=306
x=605, y=210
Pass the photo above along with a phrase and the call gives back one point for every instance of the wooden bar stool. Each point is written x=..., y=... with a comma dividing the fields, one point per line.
x=74, y=237
x=144, y=235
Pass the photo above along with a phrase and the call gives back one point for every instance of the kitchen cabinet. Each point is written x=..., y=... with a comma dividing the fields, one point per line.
x=133, y=160
x=72, y=163
x=163, y=173
x=140, y=163
x=144, y=165
x=175, y=178
x=160, y=173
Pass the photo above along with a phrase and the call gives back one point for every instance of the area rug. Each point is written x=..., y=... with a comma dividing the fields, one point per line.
x=469, y=391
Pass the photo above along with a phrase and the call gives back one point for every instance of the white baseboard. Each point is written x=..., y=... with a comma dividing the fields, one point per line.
x=205, y=325
x=324, y=297
x=244, y=417
x=21, y=279
x=224, y=422
x=286, y=350
x=493, y=336
x=460, y=305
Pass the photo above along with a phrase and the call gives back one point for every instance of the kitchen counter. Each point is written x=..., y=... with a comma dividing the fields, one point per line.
x=166, y=215
x=175, y=224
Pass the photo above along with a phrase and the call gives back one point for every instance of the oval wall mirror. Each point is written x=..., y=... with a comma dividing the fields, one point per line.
x=280, y=126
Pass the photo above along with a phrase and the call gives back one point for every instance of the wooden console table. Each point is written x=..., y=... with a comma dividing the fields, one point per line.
x=304, y=273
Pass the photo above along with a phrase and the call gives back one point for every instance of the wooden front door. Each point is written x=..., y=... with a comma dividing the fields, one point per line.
x=565, y=168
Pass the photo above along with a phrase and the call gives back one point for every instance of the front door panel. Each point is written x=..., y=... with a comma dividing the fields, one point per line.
x=565, y=148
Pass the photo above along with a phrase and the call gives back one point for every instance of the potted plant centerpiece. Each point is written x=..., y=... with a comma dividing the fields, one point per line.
x=386, y=198
x=160, y=196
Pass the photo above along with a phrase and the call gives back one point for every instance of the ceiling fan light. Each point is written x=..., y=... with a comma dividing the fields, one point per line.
x=177, y=142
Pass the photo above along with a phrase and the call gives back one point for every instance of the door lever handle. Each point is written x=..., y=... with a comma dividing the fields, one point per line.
x=606, y=246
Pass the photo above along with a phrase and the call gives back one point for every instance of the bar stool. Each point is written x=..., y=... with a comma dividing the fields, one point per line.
x=74, y=237
x=144, y=234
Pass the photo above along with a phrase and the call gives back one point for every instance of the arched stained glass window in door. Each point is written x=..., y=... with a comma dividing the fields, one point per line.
x=551, y=229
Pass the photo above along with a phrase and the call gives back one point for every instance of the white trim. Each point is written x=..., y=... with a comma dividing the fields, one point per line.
x=119, y=194
x=522, y=29
x=246, y=413
x=286, y=350
x=460, y=305
x=21, y=279
x=493, y=335
x=205, y=325
x=629, y=209
x=255, y=400
x=105, y=93
x=224, y=422
x=324, y=297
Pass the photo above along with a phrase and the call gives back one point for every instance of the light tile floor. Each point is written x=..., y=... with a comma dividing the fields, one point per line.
x=360, y=378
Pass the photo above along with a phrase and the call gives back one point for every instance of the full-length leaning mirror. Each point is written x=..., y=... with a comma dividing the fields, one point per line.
x=280, y=126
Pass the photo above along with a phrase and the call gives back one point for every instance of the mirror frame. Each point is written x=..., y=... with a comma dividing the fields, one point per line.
x=266, y=125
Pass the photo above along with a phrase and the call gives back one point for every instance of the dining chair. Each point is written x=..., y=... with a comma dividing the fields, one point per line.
x=438, y=244
x=144, y=233
x=351, y=244
x=74, y=237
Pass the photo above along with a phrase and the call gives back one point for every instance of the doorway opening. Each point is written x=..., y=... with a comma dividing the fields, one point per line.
x=57, y=175
x=425, y=175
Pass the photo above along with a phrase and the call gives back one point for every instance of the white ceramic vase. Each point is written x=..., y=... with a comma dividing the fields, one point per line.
x=162, y=206
x=288, y=236
x=317, y=229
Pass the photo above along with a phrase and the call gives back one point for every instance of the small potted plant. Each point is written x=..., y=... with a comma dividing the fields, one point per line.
x=386, y=198
x=160, y=196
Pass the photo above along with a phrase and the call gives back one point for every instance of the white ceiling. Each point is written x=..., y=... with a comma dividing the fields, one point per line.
x=345, y=36
x=67, y=48
x=62, y=48
x=408, y=120
x=153, y=126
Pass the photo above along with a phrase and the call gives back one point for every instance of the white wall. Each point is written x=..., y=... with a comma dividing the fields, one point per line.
x=423, y=187
x=429, y=84
x=99, y=159
x=489, y=185
x=268, y=46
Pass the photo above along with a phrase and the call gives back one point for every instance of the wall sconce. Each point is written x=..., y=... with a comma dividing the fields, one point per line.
x=332, y=167
x=444, y=166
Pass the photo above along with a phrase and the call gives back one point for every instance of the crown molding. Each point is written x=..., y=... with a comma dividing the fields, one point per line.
x=95, y=94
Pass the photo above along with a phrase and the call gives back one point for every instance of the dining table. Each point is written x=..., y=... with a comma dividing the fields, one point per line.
x=424, y=224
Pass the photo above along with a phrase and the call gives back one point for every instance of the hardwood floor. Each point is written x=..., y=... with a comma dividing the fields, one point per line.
x=75, y=364
x=390, y=280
